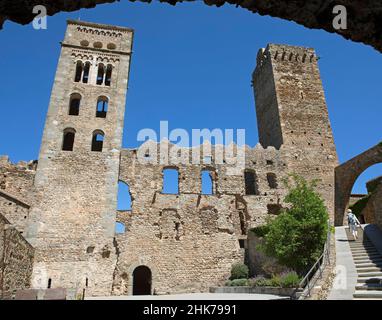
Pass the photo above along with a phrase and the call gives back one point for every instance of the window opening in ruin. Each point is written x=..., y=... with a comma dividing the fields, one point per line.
x=49, y=283
x=85, y=77
x=74, y=104
x=79, y=67
x=207, y=182
x=97, y=142
x=68, y=139
x=241, y=243
x=120, y=227
x=109, y=70
x=272, y=180
x=170, y=181
x=243, y=226
x=250, y=179
x=86, y=282
x=102, y=107
x=124, y=197
x=142, y=281
x=100, y=74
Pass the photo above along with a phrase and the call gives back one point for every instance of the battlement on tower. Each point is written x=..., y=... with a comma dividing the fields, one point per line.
x=280, y=52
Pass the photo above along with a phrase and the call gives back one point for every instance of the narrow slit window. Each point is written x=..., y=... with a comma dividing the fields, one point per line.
x=100, y=74
x=109, y=70
x=79, y=68
x=85, y=77
x=97, y=142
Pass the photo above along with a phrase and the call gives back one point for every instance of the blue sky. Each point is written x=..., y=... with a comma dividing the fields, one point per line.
x=192, y=66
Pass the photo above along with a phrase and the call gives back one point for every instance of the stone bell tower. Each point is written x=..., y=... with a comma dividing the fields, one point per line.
x=72, y=224
x=292, y=114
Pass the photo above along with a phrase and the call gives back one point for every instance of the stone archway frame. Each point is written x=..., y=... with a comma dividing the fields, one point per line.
x=130, y=272
x=361, y=22
x=347, y=174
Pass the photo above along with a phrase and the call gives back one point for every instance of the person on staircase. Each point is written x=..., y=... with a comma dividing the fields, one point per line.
x=353, y=223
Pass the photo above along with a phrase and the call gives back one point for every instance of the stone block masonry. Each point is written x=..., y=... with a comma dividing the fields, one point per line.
x=16, y=260
x=172, y=243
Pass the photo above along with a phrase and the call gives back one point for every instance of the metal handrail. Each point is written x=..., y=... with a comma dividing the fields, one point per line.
x=311, y=274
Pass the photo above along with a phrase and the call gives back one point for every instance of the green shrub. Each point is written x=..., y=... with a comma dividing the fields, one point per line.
x=239, y=271
x=290, y=280
x=297, y=236
x=237, y=283
x=275, y=281
x=260, y=281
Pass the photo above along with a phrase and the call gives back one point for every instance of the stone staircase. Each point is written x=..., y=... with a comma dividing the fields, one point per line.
x=368, y=262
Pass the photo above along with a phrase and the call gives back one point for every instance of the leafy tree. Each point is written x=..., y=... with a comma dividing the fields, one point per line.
x=297, y=236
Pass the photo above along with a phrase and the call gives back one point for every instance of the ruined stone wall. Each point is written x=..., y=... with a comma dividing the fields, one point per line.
x=16, y=191
x=72, y=223
x=17, y=179
x=16, y=260
x=16, y=211
x=190, y=240
x=376, y=200
x=373, y=209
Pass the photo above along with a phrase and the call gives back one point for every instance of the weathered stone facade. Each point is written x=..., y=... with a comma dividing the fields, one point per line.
x=188, y=240
x=372, y=212
x=16, y=260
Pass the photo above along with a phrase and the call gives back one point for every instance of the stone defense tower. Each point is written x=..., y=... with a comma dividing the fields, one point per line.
x=72, y=224
x=292, y=113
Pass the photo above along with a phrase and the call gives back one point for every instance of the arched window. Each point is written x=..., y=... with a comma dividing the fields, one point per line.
x=97, y=142
x=250, y=179
x=79, y=68
x=207, y=182
x=100, y=73
x=170, y=181
x=74, y=104
x=85, y=77
x=109, y=70
x=272, y=180
x=68, y=139
x=102, y=106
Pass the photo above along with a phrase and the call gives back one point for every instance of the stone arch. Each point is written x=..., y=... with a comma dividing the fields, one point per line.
x=318, y=15
x=347, y=174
